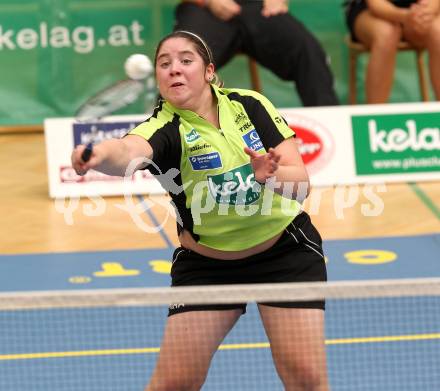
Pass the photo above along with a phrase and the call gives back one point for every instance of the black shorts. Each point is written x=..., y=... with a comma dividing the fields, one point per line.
x=297, y=256
x=352, y=10
x=354, y=7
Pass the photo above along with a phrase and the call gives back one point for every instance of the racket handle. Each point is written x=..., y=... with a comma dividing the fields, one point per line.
x=87, y=153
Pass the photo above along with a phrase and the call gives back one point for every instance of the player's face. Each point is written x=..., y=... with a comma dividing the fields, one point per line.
x=181, y=74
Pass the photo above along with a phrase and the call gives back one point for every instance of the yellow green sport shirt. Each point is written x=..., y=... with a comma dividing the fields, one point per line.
x=208, y=175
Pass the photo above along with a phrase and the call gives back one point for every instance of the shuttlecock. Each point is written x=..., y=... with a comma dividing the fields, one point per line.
x=138, y=66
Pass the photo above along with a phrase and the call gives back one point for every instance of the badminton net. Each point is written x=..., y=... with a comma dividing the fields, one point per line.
x=379, y=335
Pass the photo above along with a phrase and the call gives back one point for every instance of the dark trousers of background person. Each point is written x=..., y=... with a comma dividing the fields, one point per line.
x=280, y=43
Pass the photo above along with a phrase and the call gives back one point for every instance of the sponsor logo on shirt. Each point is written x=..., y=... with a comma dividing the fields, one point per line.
x=239, y=118
x=246, y=126
x=207, y=161
x=199, y=147
x=235, y=187
x=252, y=140
x=192, y=136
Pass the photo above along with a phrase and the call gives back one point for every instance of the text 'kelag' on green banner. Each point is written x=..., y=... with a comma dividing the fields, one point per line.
x=56, y=54
x=396, y=143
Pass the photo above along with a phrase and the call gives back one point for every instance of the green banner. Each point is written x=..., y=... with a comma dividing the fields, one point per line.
x=396, y=143
x=54, y=54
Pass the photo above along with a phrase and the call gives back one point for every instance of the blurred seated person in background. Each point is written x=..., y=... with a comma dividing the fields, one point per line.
x=265, y=31
x=381, y=25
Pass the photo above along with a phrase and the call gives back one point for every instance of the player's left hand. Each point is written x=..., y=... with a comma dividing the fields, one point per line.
x=274, y=7
x=264, y=165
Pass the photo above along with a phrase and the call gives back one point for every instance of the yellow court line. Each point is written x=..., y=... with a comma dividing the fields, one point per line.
x=389, y=338
x=256, y=345
x=237, y=346
x=78, y=353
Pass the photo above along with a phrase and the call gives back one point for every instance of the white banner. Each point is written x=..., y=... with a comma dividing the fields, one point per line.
x=63, y=134
x=368, y=143
x=340, y=145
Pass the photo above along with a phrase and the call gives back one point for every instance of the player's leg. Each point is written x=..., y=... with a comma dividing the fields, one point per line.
x=296, y=329
x=221, y=36
x=193, y=332
x=189, y=343
x=296, y=338
x=382, y=38
x=282, y=44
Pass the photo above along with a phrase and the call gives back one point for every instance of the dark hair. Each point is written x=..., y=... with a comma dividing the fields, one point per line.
x=201, y=47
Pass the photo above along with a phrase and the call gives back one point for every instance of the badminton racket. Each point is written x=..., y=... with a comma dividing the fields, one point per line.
x=140, y=81
x=110, y=99
x=87, y=153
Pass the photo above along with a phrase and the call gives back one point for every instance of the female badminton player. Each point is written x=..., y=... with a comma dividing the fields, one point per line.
x=241, y=184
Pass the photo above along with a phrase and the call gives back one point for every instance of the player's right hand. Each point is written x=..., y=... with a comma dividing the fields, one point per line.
x=79, y=165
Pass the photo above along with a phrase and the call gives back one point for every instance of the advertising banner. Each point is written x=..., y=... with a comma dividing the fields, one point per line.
x=341, y=145
x=57, y=54
x=397, y=143
x=64, y=134
x=369, y=143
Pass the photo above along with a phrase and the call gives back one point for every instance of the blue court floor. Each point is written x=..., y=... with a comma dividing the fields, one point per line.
x=374, y=344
